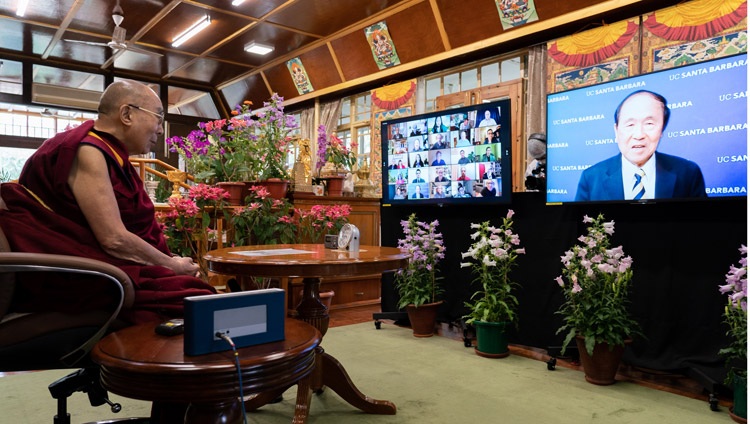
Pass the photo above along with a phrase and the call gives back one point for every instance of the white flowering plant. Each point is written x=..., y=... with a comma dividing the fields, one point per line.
x=491, y=258
x=595, y=281
x=735, y=314
x=417, y=284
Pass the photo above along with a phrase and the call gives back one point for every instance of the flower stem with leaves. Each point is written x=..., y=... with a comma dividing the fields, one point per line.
x=595, y=282
x=417, y=283
x=491, y=258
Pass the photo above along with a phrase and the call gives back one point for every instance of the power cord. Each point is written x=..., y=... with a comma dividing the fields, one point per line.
x=228, y=339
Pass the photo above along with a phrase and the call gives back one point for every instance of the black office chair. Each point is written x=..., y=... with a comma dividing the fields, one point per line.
x=59, y=339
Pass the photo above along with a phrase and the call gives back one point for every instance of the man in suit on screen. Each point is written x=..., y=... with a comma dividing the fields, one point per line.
x=639, y=172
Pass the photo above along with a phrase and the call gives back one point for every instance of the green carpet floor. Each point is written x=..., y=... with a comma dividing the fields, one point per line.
x=434, y=380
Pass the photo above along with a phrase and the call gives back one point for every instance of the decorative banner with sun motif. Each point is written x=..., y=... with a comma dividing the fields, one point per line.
x=383, y=50
x=515, y=13
x=299, y=76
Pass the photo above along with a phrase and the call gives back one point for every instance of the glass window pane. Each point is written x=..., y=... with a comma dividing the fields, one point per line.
x=469, y=80
x=510, y=69
x=11, y=77
x=363, y=138
x=182, y=101
x=432, y=89
x=12, y=160
x=490, y=74
x=346, y=112
x=363, y=108
x=451, y=84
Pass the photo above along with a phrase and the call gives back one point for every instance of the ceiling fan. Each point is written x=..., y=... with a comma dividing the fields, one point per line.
x=118, y=42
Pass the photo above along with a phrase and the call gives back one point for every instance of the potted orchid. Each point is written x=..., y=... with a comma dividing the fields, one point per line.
x=251, y=145
x=333, y=155
x=189, y=224
x=491, y=258
x=417, y=284
x=735, y=316
x=220, y=150
x=595, y=282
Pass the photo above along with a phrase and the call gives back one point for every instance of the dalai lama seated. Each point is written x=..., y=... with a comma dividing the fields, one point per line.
x=79, y=195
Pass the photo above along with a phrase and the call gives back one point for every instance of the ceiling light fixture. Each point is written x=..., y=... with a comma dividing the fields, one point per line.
x=257, y=48
x=190, y=32
x=21, y=8
x=237, y=2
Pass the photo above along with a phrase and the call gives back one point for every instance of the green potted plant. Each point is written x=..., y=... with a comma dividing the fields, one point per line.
x=417, y=284
x=491, y=258
x=595, y=282
x=735, y=316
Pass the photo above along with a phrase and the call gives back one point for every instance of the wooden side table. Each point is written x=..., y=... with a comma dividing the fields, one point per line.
x=140, y=364
x=312, y=262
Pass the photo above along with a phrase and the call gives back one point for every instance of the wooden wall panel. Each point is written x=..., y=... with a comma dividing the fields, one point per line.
x=257, y=92
x=354, y=55
x=320, y=68
x=466, y=23
x=281, y=82
x=415, y=33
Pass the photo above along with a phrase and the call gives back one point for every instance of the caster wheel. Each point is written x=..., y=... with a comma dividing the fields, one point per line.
x=377, y=325
x=713, y=402
x=551, y=364
x=467, y=342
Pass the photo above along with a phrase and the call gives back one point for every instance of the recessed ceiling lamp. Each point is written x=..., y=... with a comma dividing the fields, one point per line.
x=237, y=2
x=257, y=48
x=21, y=8
x=197, y=27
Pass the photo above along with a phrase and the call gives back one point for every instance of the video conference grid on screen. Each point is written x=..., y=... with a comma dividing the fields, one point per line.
x=455, y=155
x=707, y=126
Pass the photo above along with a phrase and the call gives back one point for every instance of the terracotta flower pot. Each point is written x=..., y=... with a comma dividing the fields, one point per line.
x=235, y=190
x=335, y=186
x=423, y=318
x=601, y=367
x=276, y=187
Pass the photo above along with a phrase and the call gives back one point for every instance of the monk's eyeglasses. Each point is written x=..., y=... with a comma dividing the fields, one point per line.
x=158, y=115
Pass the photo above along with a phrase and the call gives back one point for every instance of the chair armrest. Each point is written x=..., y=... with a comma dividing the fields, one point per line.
x=11, y=262
x=42, y=262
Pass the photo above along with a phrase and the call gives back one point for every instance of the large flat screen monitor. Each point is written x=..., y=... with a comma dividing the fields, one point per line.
x=455, y=156
x=701, y=145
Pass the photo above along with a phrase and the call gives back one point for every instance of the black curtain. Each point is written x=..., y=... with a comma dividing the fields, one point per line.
x=681, y=252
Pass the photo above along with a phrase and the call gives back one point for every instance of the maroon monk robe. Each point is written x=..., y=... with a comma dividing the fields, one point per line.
x=44, y=217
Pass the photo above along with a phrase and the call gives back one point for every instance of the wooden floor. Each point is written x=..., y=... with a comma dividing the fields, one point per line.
x=673, y=383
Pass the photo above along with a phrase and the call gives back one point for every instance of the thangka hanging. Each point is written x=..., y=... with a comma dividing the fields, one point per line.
x=383, y=50
x=515, y=13
x=299, y=76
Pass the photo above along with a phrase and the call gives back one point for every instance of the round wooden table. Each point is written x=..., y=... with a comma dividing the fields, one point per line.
x=138, y=363
x=312, y=262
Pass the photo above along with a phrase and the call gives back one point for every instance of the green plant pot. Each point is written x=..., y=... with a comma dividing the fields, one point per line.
x=739, y=408
x=492, y=341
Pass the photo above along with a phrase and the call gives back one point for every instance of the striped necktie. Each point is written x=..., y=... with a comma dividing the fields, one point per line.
x=638, y=187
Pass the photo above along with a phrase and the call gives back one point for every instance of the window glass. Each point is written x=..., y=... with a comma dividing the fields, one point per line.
x=363, y=108
x=490, y=74
x=12, y=160
x=432, y=90
x=11, y=76
x=346, y=112
x=510, y=69
x=451, y=84
x=469, y=80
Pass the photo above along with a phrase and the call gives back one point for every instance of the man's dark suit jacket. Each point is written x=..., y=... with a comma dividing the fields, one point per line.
x=675, y=178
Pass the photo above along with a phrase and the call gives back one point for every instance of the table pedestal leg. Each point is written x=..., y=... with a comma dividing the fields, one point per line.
x=214, y=413
x=328, y=371
x=310, y=309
